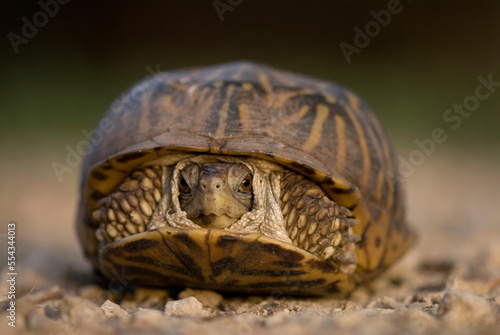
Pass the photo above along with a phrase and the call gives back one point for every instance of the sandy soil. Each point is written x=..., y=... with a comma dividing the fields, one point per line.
x=449, y=283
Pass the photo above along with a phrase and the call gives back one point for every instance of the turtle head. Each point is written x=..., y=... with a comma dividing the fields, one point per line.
x=215, y=195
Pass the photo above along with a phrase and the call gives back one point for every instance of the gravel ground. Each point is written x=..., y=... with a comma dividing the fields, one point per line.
x=448, y=284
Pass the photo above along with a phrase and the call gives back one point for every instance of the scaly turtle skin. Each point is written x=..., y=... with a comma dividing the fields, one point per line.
x=241, y=177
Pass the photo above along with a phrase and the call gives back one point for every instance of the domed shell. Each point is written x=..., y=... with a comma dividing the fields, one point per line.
x=314, y=127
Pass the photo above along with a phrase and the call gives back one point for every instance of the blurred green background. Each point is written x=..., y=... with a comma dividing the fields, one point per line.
x=63, y=78
x=426, y=59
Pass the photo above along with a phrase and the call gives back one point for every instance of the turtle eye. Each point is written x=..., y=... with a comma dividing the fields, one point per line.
x=246, y=184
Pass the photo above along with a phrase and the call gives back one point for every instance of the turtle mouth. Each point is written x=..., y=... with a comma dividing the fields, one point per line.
x=214, y=221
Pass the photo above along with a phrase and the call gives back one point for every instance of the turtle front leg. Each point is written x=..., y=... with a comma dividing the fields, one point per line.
x=129, y=210
x=317, y=224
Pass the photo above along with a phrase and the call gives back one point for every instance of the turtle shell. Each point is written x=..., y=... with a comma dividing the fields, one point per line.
x=220, y=260
x=316, y=128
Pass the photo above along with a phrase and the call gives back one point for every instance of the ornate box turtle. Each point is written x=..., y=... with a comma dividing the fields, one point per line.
x=242, y=177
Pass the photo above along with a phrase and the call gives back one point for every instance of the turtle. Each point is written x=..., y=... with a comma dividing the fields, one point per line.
x=241, y=177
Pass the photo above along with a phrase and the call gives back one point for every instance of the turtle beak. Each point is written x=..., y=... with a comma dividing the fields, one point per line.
x=213, y=199
x=213, y=195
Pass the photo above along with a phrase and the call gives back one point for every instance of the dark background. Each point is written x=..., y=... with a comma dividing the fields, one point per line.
x=426, y=59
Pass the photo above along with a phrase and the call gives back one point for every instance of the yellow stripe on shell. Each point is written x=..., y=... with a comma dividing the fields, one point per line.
x=247, y=86
x=221, y=127
x=322, y=112
x=364, y=148
x=245, y=117
x=270, y=131
x=303, y=110
x=282, y=98
x=353, y=99
x=206, y=101
x=264, y=81
x=329, y=98
x=181, y=87
x=341, y=145
x=389, y=171
x=378, y=149
x=380, y=156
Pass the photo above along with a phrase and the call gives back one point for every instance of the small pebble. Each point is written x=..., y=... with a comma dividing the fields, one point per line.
x=110, y=309
x=186, y=306
x=206, y=297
